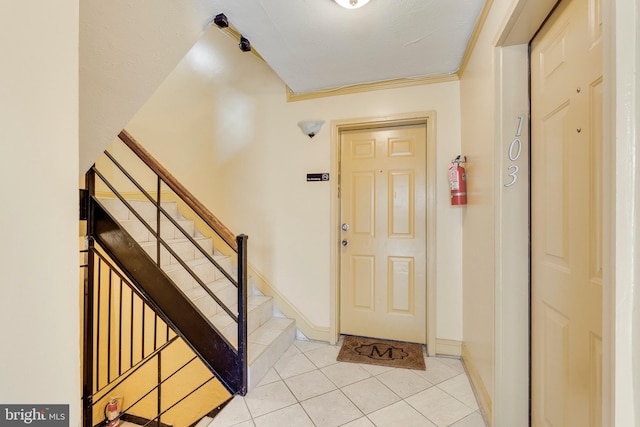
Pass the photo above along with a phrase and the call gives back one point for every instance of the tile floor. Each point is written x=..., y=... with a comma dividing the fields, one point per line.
x=307, y=387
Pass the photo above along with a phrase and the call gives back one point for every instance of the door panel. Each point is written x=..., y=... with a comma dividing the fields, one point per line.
x=566, y=225
x=383, y=268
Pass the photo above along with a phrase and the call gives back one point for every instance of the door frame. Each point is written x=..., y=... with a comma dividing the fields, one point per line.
x=426, y=118
x=620, y=246
x=509, y=404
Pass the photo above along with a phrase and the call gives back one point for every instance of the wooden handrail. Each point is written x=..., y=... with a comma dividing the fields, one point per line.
x=179, y=189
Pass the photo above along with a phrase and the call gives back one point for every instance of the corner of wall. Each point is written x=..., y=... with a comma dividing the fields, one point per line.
x=291, y=311
x=479, y=389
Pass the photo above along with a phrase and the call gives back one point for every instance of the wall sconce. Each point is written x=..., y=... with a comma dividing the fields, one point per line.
x=310, y=127
x=352, y=4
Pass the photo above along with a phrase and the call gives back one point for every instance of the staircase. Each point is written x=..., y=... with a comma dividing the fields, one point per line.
x=268, y=336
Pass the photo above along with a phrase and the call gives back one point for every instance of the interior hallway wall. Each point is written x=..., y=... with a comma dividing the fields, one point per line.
x=39, y=306
x=222, y=125
x=479, y=118
x=127, y=48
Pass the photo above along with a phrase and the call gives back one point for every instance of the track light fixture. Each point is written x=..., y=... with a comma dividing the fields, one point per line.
x=221, y=20
x=245, y=44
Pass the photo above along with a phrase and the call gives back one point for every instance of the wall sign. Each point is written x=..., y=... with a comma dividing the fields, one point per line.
x=318, y=176
x=515, y=149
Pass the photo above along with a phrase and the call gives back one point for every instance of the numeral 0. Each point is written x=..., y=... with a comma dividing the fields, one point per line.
x=515, y=143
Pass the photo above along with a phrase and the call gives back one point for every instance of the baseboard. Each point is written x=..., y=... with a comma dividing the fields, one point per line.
x=141, y=421
x=305, y=326
x=479, y=389
x=448, y=347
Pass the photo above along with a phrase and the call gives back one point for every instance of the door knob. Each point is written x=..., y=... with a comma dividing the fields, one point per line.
x=345, y=227
x=345, y=243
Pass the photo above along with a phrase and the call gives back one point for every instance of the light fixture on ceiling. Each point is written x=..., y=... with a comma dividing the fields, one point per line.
x=310, y=127
x=221, y=20
x=352, y=4
x=245, y=44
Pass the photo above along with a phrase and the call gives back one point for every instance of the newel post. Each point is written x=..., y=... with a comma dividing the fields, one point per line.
x=241, y=241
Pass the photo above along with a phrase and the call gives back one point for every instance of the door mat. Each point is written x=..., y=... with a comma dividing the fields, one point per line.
x=374, y=351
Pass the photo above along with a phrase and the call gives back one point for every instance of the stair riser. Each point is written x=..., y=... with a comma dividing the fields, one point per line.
x=144, y=208
x=257, y=315
x=259, y=368
x=208, y=273
x=168, y=230
x=185, y=250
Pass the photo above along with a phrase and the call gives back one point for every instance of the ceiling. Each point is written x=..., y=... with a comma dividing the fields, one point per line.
x=318, y=45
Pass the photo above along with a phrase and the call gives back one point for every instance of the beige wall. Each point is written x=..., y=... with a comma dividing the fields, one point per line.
x=243, y=155
x=513, y=22
x=127, y=48
x=494, y=92
x=478, y=268
x=39, y=306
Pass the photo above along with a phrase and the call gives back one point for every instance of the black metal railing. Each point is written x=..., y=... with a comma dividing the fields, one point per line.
x=128, y=361
x=155, y=268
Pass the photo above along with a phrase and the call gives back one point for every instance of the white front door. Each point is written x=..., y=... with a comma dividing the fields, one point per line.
x=566, y=222
x=383, y=213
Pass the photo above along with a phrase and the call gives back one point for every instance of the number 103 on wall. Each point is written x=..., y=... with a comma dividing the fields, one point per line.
x=514, y=152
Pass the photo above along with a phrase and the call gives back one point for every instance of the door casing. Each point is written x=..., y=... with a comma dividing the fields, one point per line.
x=509, y=403
x=426, y=118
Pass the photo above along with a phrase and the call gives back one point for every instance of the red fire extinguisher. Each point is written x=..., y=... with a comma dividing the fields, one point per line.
x=458, y=181
x=112, y=412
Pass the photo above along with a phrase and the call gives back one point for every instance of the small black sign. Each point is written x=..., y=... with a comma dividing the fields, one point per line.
x=318, y=176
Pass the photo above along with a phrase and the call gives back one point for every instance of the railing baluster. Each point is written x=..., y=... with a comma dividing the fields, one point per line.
x=120, y=331
x=159, y=386
x=109, y=329
x=132, y=331
x=241, y=242
x=144, y=306
x=88, y=367
x=158, y=217
x=98, y=317
x=155, y=332
x=89, y=309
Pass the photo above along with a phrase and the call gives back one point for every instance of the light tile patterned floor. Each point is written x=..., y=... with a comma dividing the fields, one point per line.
x=308, y=387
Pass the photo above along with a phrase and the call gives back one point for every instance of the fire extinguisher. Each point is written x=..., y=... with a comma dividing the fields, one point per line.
x=112, y=412
x=458, y=181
